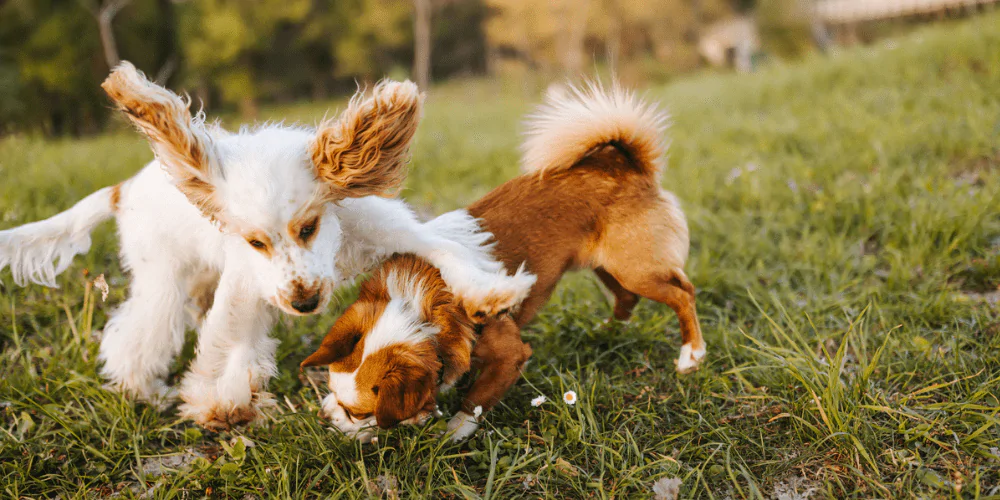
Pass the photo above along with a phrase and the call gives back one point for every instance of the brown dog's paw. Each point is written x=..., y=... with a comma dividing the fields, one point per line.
x=689, y=359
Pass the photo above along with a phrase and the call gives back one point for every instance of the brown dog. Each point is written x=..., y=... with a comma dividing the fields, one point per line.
x=590, y=198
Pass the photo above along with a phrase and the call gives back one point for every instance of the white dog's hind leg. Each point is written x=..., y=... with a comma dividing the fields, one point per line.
x=145, y=333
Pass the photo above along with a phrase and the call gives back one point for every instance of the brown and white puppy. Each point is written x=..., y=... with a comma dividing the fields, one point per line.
x=590, y=198
x=405, y=336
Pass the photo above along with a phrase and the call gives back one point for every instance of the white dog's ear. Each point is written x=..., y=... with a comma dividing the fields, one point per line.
x=180, y=141
x=364, y=151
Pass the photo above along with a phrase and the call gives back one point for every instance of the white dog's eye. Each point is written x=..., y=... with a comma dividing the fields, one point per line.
x=257, y=244
x=307, y=230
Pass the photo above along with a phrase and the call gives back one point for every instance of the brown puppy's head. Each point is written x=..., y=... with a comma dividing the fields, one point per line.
x=383, y=352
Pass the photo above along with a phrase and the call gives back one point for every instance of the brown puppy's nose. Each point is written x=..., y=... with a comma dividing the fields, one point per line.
x=307, y=305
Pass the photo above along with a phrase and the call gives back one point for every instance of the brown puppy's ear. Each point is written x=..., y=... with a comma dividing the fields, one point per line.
x=364, y=151
x=180, y=141
x=406, y=386
x=338, y=343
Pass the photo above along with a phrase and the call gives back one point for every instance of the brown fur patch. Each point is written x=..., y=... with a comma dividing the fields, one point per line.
x=364, y=152
x=259, y=236
x=180, y=142
x=308, y=215
x=116, y=197
x=201, y=292
x=403, y=379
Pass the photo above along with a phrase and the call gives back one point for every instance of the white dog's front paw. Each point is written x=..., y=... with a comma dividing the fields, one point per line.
x=220, y=417
x=462, y=426
x=689, y=359
x=484, y=295
x=211, y=413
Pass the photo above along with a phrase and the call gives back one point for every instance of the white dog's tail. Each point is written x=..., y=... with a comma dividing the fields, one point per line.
x=31, y=250
x=574, y=122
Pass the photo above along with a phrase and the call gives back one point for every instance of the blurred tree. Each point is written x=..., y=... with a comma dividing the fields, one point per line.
x=47, y=74
x=105, y=15
x=225, y=40
x=655, y=36
x=52, y=60
x=459, y=39
x=422, y=42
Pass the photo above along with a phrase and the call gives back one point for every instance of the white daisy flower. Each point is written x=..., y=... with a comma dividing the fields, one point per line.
x=477, y=411
x=569, y=398
x=538, y=401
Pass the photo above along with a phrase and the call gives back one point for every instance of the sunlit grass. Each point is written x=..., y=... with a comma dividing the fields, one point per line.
x=843, y=210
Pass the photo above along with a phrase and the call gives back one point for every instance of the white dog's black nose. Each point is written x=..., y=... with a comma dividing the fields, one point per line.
x=306, y=305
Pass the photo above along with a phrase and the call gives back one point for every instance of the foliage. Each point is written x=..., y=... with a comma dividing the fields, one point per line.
x=842, y=211
x=616, y=32
x=226, y=52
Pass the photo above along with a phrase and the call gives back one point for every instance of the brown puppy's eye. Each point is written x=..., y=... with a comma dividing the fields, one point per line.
x=480, y=314
x=256, y=244
x=307, y=230
x=375, y=389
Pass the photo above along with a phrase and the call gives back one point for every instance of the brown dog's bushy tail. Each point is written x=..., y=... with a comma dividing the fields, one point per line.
x=574, y=122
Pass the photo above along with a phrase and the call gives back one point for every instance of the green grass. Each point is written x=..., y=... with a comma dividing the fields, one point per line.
x=843, y=212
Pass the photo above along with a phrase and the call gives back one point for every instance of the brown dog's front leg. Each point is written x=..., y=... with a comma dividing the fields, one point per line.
x=496, y=361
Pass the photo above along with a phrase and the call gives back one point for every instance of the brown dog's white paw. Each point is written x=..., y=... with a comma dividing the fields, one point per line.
x=462, y=426
x=689, y=359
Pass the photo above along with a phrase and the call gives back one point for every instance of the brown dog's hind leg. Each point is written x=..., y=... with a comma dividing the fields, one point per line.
x=675, y=290
x=625, y=300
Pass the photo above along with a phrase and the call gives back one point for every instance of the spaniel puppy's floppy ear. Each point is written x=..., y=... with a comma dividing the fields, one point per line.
x=364, y=151
x=180, y=141
x=404, y=389
x=338, y=343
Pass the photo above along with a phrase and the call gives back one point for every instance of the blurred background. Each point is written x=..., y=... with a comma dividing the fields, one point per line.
x=235, y=55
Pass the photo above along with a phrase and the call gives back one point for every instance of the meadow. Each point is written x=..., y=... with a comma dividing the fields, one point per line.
x=846, y=251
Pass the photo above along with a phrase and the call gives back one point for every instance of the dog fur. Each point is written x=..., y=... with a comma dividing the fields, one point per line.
x=235, y=227
x=590, y=198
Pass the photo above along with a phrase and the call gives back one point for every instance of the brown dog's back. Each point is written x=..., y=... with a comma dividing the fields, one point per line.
x=592, y=214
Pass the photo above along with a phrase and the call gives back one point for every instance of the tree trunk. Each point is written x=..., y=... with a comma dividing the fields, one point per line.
x=422, y=42
x=168, y=52
x=105, y=17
